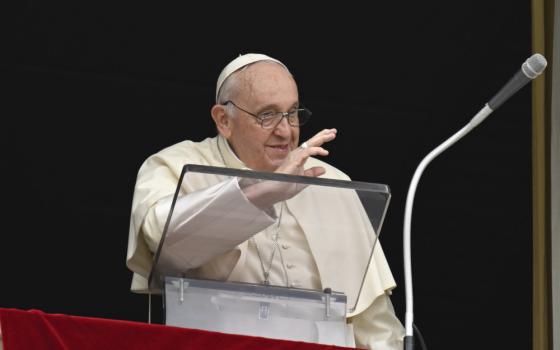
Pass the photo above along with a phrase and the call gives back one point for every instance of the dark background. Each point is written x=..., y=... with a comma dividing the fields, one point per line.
x=91, y=90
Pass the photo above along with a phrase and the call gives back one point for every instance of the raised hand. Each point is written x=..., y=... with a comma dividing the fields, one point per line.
x=294, y=163
x=265, y=194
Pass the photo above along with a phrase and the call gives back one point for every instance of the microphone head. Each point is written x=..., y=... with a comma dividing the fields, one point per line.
x=534, y=66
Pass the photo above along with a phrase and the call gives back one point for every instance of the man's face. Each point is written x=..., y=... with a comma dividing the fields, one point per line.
x=268, y=87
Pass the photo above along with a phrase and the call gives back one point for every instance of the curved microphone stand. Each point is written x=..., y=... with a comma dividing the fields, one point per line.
x=409, y=316
x=530, y=69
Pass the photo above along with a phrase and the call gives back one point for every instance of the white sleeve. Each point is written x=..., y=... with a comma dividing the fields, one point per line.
x=378, y=327
x=205, y=223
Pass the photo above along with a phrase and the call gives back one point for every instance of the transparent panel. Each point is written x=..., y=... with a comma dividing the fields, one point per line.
x=264, y=311
x=265, y=228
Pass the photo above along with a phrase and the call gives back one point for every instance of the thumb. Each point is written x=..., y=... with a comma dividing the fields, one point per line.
x=314, y=171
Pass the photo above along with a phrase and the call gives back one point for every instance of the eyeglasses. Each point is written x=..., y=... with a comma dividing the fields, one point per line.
x=271, y=119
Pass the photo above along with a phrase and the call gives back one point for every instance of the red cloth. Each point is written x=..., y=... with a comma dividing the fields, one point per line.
x=37, y=330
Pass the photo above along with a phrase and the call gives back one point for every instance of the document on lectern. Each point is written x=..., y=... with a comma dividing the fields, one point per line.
x=224, y=263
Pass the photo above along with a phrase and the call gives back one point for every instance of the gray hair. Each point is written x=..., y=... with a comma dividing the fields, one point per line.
x=230, y=87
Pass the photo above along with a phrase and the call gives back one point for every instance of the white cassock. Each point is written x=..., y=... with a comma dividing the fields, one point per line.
x=227, y=248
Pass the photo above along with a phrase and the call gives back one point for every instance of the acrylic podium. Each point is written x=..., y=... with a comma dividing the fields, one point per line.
x=212, y=207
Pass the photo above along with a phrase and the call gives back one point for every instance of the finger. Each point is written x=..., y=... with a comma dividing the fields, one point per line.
x=316, y=151
x=314, y=171
x=321, y=137
x=312, y=151
x=304, y=153
x=325, y=134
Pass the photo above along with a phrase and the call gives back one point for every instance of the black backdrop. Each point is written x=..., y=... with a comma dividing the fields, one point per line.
x=91, y=91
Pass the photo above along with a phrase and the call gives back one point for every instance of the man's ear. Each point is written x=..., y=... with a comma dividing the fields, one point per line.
x=222, y=120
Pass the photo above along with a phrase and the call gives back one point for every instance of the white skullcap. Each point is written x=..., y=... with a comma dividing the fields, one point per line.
x=239, y=63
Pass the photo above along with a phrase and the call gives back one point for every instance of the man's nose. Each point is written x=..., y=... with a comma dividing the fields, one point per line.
x=283, y=128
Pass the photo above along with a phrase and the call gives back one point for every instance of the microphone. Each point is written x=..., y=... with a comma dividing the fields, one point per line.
x=530, y=69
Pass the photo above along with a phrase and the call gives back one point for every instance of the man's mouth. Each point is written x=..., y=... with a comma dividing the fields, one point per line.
x=280, y=148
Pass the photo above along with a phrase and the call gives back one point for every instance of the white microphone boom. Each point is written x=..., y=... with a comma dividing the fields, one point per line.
x=530, y=69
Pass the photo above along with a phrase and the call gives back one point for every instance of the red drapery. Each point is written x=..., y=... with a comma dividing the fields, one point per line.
x=37, y=330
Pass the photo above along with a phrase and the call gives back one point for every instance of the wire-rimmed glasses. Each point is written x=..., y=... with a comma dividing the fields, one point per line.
x=270, y=119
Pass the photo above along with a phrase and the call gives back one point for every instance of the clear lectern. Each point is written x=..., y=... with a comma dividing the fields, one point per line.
x=221, y=220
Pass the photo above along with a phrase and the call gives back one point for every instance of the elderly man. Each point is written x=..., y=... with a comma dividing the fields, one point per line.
x=257, y=115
